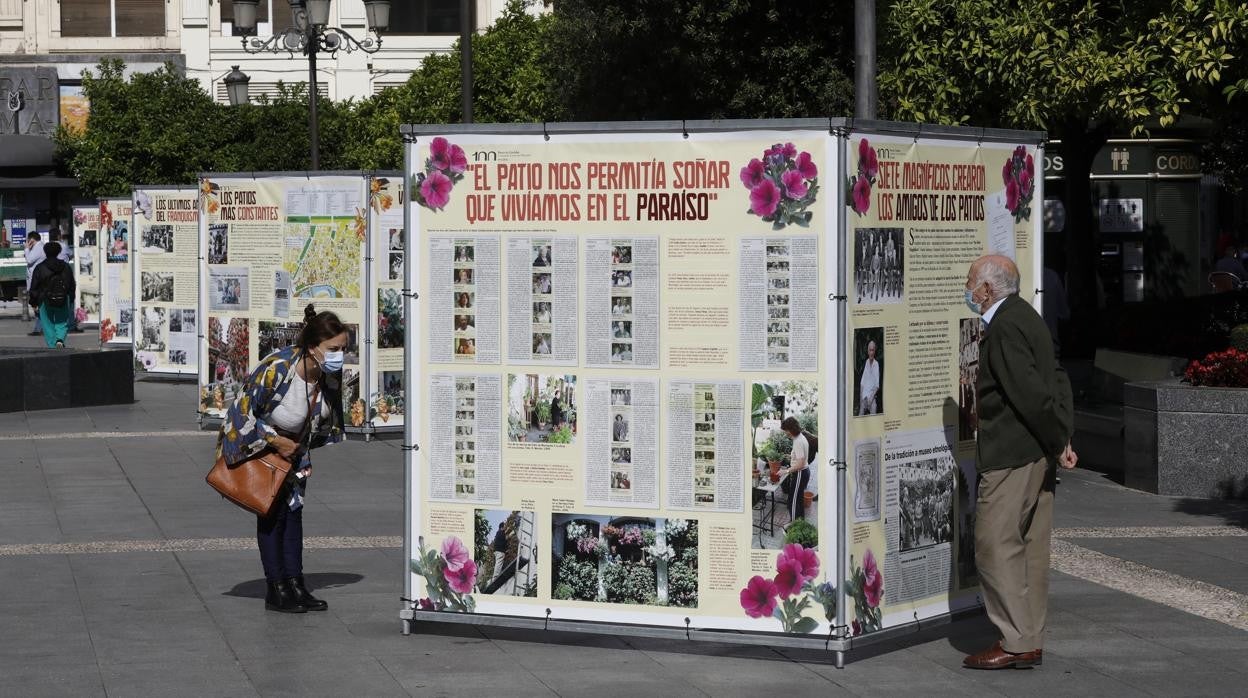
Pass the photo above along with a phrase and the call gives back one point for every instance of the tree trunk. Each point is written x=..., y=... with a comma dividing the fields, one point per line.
x=1079, y=146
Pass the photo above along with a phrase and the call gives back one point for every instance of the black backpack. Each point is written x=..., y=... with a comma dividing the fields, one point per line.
x=57, y=295
x=813, y=442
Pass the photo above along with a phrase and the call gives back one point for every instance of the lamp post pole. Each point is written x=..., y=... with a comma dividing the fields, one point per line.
x=310, y=35
x=313, y=128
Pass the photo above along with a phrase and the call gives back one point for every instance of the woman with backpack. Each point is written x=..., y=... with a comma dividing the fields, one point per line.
x=800, y=465
x=52, y=291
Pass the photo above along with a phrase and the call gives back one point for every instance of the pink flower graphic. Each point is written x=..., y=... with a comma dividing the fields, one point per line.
x=1031, y=165
x=862, y=195
x=806, y=166
x=459, y=161
x=764, y=198
x=1011, y=194
x=455, y=554
x=753, y=173
x=462, y=578
x=794, y=184
x=788, y=150
x=806, y=558
x=436, y=190
x=440, y=153
x=758, y=598
x=1024, y=180
x=426, y=604
x=788, y=581
x=868, y=162
x=873, y=584
x=1007, y=171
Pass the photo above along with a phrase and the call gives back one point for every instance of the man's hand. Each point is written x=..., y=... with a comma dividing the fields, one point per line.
x=284, y=446
x=1069, y=458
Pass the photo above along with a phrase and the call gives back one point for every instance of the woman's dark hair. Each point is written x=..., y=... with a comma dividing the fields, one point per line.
x=318, y=327
x=790, y=425
x=51, y=250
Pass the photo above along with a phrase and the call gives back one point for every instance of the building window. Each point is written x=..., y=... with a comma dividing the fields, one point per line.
x=424, y=17
x=112, y=18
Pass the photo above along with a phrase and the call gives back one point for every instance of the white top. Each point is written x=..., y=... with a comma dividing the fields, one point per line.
x=292, y=412
x=801, y=449
x=992, y=310
x=870, y=378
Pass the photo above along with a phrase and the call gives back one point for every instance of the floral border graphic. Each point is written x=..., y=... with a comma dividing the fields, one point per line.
x=208, y=201
x=1019, y=175
x=444, y=168
x=866, y=587
x=858, y=187
x=796, y=569
x=449, y=576
x=378, y=198
x=783, y=184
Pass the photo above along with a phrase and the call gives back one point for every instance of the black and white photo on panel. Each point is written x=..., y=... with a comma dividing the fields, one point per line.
x=879, y=265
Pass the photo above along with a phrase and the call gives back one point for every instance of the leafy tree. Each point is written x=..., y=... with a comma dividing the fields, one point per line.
x=1079, y=69
x=692, y=59
x=157, y=127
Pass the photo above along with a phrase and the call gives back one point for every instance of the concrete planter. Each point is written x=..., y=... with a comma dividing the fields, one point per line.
x=1186, y=441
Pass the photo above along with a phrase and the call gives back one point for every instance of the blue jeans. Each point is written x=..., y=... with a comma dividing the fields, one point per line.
x=280, y=537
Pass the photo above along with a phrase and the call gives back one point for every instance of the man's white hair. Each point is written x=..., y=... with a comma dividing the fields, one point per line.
x=999, y=273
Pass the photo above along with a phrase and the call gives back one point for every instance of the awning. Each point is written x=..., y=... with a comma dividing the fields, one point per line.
x=26, y=151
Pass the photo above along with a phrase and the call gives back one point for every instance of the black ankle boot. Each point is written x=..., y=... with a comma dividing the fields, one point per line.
x=303, y=596
x=280, y=598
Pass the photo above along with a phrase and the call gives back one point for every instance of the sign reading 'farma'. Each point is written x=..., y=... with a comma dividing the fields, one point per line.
x=29, y=102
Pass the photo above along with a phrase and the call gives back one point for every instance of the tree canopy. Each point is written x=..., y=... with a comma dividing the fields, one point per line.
x=701, y=59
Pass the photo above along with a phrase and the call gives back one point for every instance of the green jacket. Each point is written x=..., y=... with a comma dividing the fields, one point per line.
x=1026, y=411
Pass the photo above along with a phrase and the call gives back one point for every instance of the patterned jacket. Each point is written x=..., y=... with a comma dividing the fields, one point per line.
x=246, y=430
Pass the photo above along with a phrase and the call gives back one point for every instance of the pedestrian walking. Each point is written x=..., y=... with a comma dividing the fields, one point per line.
x=291, y=403
x=34, y=256
x=52, y=292
x=1026, y=417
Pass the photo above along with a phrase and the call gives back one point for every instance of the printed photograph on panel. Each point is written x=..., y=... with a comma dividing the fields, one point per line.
x=784, y=479
x=623, y=559
x=541, y=408
x=868, y=371
x=505, y=551
x=879, y=268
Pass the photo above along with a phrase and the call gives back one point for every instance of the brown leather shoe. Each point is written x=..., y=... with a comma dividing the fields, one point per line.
x=997, y=658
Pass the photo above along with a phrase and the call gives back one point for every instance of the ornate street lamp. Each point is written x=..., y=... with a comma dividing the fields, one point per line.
x=236, y=86
x=310, y=34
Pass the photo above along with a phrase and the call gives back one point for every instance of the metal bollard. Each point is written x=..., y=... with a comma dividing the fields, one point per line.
x=22, y=298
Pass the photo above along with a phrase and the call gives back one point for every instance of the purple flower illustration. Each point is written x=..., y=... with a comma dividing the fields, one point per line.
x=758, y=598
x=862, y=196
x=764, y=198
x=788, y=579
x=783, y=184
x=461, y=579
x=859, y=185
x=444, y=168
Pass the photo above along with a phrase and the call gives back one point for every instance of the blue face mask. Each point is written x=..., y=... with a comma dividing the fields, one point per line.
x=333, y=361
x=970, y=303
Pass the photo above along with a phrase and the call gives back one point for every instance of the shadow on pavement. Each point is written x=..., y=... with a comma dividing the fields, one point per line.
x=255, y=588
x=1232, y=508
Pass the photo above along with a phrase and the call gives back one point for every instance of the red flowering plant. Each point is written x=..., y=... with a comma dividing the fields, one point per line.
x=450, y=574
x=1019, y=174
x=1220, y=369
x=858, y=186
x=866, y=587
x=444, y=168
x=790, y=592
x=782, y=184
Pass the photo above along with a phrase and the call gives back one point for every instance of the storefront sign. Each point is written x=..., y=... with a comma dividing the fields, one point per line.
x=29, y=102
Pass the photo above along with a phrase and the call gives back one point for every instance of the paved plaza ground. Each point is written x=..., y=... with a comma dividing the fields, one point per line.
x=121, y=574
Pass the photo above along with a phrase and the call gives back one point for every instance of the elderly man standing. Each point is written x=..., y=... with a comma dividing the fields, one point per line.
x=1026, y=419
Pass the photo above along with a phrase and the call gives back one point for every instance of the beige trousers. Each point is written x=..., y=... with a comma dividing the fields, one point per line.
x=1013, y=524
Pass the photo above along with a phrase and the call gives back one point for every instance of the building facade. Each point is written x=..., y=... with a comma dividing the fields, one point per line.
x=45, y=45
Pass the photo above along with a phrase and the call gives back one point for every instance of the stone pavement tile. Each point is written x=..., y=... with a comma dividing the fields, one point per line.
x=28, y=522
x=1187, y=682
x=35, y=580
x=1220, y=561
x=725, y=670
x=282, y=671
x=198, y=677
x=139, y=581
x=122, y=635
x=60, y=635
x=13, y=423
x=49, y=677
x=449, y=663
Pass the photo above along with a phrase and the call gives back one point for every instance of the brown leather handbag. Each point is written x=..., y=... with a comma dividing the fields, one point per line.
x=253, y=484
